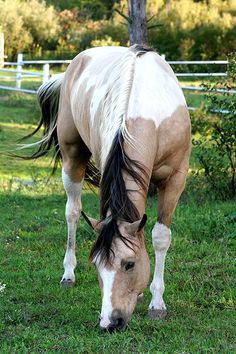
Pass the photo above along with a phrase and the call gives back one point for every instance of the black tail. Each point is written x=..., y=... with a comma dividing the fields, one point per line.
x=48, y=99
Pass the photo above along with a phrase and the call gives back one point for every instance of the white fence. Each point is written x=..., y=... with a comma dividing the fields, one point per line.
x=19, y=74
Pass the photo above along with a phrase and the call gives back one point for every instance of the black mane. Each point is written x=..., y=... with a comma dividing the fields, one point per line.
x=140, y=50
x=115, y=199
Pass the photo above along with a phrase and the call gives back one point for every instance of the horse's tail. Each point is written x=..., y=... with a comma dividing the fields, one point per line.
x=48, y=98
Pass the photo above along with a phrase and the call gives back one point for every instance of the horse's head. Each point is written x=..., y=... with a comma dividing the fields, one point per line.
x=124, y=276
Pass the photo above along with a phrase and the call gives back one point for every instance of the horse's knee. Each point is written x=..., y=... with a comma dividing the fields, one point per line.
x=161, y=237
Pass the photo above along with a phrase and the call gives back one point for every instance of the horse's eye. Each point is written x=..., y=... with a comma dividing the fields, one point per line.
x=129, y=265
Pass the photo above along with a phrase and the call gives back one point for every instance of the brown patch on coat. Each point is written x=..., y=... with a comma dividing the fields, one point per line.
x=162, y=154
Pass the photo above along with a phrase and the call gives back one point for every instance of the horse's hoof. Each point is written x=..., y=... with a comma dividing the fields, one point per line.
x=67, y=283
x=157, y=314
x=140, y=298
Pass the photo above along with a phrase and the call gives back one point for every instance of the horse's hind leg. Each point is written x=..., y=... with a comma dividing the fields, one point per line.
x=75, y=156
x=161, y=237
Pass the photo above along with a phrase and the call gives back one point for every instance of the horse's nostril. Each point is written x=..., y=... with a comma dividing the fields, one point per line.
x=111, y=328
x=120, y=323
x=116, y=324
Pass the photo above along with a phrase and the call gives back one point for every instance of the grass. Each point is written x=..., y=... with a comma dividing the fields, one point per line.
x=37, y=316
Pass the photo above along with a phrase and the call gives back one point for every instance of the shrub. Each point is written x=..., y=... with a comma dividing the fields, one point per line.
x=104, y=42
x=92, y=10
x=192, y=30
x=17, y=38
x=215, y=149
x=27, y=25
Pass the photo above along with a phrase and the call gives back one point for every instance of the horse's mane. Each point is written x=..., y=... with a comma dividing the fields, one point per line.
x=115, y=200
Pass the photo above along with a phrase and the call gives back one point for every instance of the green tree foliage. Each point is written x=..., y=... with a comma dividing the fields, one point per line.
x=180, y=29
x=89, y=9
x=64, y=4
x=69, y=30
x=27, y=25
x=16, y=37
x=193, y=30
x=92, y=10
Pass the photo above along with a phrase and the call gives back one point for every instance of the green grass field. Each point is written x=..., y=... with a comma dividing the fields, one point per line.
x=37, y=316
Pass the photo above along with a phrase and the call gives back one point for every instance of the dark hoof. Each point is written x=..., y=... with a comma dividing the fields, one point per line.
x=140, y=298
x=67, y=283
x=157, y=314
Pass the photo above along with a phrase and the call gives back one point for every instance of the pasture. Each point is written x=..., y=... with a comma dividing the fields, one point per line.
x=37, y=316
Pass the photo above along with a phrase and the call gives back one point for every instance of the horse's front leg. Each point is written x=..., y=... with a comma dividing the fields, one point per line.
x=161, y=239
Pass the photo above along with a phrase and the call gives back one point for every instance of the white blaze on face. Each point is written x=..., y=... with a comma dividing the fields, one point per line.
x=107, y=277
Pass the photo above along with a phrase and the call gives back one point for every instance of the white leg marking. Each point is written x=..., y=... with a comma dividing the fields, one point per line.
x=107, y=277
x=73, y=208
x=161, y=238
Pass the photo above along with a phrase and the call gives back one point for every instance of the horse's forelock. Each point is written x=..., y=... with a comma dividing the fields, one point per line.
x=102, y=249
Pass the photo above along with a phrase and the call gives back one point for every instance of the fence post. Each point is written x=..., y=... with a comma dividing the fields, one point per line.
x=163, y=56
x=46, y=75
x=19, y=70
x=1, y=49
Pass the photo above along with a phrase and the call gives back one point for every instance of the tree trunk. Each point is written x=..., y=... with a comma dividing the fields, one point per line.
x=137, y=22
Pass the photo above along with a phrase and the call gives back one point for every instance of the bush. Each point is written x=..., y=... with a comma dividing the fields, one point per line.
x=27, y=25
x=192, y=30
x=104, y=42
x=16, y=37
x=215, y=149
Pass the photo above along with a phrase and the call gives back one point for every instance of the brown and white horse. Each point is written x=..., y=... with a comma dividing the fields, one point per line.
x=124, y=108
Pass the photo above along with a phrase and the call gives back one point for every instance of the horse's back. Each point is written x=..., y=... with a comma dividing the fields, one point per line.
x=109, y=86
x=155, y=93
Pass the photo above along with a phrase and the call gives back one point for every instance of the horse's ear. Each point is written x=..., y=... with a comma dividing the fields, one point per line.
x=95, y=224
x=136, y=226
x=142, y=222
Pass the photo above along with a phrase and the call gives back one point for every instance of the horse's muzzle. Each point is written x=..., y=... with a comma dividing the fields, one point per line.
x=117, y=323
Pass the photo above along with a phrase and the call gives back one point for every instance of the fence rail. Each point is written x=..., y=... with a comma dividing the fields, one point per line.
x=200, y=74
x=8, y=88
x=20, y=74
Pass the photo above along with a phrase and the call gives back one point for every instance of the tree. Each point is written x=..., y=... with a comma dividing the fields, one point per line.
x=137, y=22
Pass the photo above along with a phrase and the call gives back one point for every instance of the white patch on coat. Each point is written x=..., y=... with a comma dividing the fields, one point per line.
x=97, y=98
x=161, y=239
x=107, y=277
x=156, y=93
x=85, y=75
x=91, y=82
